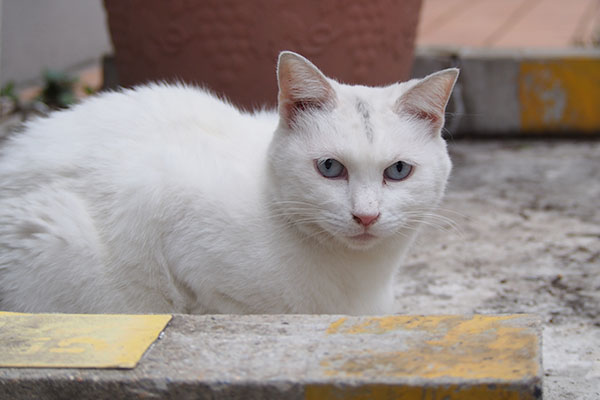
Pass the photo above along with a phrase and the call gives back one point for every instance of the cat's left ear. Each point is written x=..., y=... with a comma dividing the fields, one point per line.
x=427, y=99
x=302, y=87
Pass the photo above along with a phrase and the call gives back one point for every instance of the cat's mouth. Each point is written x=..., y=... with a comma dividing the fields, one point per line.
x=363, y=237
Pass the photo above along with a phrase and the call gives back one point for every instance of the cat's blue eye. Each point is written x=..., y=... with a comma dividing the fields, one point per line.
x=331, y=168
x=398, y=172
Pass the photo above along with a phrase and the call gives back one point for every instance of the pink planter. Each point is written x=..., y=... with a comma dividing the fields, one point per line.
x=231, y=46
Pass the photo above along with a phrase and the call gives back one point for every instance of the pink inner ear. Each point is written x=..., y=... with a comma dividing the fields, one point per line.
x=425, y=111
x=304, y=105
x=427, y=99
x=425, y=116
x=293, y=109
x=302, y=87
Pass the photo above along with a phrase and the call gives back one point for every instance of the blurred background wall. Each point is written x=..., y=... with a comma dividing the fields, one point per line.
x=56, y=34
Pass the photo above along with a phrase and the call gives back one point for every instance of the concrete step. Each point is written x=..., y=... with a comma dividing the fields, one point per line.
x=313, y=357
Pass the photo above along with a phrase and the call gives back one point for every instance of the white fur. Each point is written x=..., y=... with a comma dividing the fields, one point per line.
x=167, y=199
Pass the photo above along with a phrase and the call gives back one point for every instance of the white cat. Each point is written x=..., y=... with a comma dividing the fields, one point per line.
x=165, y=199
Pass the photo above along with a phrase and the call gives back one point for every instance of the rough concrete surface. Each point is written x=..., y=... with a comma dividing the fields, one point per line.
x=524, y=237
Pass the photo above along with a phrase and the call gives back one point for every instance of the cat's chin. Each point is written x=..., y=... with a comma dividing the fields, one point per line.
x=363, y=241
x=362, y=238
x=326, y=238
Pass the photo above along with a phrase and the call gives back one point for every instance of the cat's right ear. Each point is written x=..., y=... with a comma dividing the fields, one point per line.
x=428, y=98
x=302, y=87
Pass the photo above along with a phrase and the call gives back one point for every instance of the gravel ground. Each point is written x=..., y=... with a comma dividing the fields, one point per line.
x=524, y=237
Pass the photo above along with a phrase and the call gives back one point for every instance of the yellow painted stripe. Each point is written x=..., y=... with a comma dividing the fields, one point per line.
x=560, y=95
x=76, y=340
x=471, y=348
x=449, y=392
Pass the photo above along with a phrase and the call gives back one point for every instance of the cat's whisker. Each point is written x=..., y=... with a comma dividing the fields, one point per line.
x=436, y=220
x=434, y=212
x=442, y=225
x=440, y=211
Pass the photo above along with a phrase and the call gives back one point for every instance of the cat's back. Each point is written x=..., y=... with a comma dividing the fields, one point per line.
x=156, y=126
x=97, y=192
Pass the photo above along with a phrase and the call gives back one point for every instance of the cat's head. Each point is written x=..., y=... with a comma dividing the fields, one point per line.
x=357, y=165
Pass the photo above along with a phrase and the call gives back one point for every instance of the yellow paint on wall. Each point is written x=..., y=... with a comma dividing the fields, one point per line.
x=560, y=95
x=76, y=340
x=476, y=347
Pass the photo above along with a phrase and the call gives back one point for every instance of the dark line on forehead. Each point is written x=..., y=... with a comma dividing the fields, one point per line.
x=365, y=116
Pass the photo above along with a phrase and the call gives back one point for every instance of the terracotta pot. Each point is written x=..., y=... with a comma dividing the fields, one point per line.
x=231, y=46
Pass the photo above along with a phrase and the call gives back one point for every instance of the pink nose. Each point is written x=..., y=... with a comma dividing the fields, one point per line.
x=365, y=220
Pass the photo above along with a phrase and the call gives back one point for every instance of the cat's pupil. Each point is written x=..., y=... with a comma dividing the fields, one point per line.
x=398, y=171
x=330, y=168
